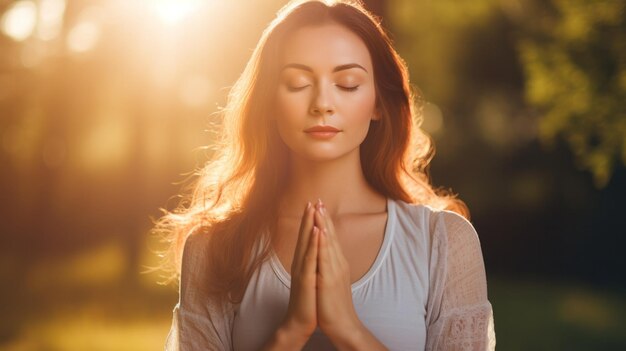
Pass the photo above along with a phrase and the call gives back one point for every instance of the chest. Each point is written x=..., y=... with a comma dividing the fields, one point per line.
x=360, y=238
x=391, y=302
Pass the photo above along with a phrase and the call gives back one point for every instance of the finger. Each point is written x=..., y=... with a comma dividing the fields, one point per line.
x=324, y=255
x=328, y=221
x=324, y=221
x=318, y=219
x=331, y=237
x=310, y=257
x=303, y=222
x=306, y=225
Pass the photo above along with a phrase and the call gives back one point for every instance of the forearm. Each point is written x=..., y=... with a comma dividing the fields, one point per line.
x=285, y=338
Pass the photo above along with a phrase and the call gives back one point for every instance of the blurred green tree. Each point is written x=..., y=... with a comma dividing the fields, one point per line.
x=574, y=57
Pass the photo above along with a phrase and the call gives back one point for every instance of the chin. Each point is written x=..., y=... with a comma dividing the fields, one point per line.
x=321, y=155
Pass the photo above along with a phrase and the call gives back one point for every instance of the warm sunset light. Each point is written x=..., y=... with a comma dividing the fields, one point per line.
x=433, y=119
x=19, y=21
x=85, y=34
x=50, y=18
x=173, y=11
x=115, y=112
x=195, y=91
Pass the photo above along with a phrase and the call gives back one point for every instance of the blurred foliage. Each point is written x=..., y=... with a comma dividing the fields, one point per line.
x=574, y=57
x=430, y=35
x=571, y=53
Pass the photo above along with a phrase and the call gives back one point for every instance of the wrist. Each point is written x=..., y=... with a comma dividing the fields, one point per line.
x=288, y=336
x=356, y=338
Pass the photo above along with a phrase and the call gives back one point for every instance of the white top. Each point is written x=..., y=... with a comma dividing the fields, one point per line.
x=425, y=291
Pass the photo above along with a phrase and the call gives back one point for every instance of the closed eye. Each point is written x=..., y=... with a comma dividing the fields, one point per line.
x=348, y=88
x=294, y=89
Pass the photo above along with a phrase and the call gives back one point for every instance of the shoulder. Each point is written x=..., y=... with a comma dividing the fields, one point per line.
x=443, y=225
x=439, y=221
x=415, y=214
x=446, y=229
x=457, y=231
x=196, y=244
x=194, y=258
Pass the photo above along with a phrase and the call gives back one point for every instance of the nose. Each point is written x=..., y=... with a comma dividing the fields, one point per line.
x=322, y=103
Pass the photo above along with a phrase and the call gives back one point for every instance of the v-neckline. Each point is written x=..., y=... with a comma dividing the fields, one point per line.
x=285, y=277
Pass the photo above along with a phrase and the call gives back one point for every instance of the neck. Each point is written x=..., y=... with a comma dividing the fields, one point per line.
x=339, y=183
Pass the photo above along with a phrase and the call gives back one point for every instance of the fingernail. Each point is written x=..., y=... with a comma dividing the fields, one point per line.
x=308, y=205
x=319, y=202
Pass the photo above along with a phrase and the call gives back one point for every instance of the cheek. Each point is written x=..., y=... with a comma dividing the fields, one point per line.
x=288, y=108
x=362, y=107
x=362, y=111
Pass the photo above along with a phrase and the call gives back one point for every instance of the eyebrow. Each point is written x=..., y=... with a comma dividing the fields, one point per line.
x=336, y=69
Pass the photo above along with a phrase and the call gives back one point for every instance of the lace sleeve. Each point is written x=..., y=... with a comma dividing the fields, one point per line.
x=197, y=324
x=459, y=316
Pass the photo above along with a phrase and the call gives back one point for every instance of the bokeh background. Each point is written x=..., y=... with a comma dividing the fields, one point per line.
x=106, y=109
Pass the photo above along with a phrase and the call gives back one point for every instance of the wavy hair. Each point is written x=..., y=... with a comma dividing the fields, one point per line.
x=232, y=199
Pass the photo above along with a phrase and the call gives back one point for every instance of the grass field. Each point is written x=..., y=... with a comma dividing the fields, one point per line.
x=543, y=315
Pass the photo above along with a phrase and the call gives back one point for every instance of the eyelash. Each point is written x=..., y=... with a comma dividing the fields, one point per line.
x=348, y=88
x=296, y=89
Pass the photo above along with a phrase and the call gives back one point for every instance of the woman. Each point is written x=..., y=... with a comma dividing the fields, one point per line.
x=322, y=119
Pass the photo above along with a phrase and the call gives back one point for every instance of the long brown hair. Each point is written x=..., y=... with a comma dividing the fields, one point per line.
x=232, y=199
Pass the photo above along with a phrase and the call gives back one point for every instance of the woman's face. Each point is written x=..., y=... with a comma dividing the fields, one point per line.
x=326, y=81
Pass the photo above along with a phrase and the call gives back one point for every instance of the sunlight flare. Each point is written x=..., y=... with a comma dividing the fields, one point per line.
x=19, y=21
x=84, y=36
x=173, y=11
x=51, y=14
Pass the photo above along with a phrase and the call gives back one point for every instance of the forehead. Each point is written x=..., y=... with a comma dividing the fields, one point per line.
x=324, y=47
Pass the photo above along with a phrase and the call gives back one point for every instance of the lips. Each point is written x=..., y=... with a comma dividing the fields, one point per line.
x=322, y=129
